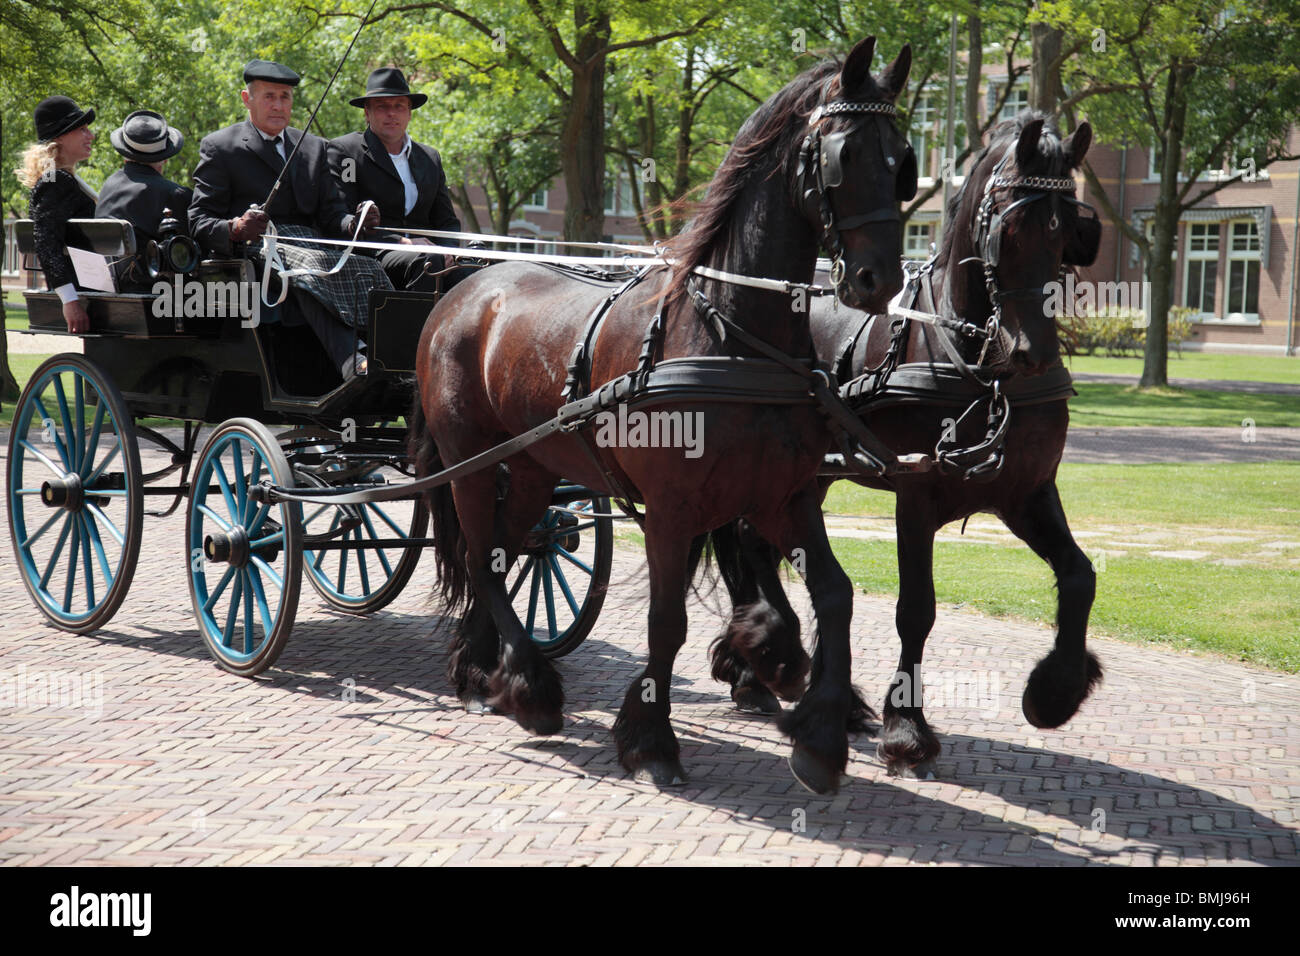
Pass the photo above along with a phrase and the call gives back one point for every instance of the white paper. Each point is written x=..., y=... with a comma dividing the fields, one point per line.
x=92, y=270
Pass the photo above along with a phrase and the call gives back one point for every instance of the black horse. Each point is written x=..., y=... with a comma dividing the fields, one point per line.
x=1014, y=227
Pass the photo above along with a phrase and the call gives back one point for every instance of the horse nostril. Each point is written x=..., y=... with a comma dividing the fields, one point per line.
x=866, y=279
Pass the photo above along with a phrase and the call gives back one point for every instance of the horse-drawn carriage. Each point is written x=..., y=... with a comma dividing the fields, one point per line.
x=197, y=356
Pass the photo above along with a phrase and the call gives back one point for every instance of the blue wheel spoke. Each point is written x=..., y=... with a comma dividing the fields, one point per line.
x=79, y=403
x=31, y=538
x=42, y=458
x=58, y=442
x=258, y=518
x=221, y=586
x=523, y=576
x=246, y=578
x=92, y=444
x=370, y=527
x=361, y=566
x=383, y=516
x=251, y=507
x=259, y=594
x=550, y=600
x=87, y=569
x=240, y=486
x=532, y=598
x=232, y=613
x=269, y=571
x=221, y=522
x=319, y=556
x=89, y=526
x=232, y=509
x=108, y=524
x=564, y=585
x=72, y=566
x=565, y=554
x=58, y=550
x=62, y=396
x=343, y=569
x=269, y=539
x=108, y=458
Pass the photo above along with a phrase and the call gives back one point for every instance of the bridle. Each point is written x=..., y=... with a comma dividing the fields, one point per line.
x=987, y=233
x=820, y=160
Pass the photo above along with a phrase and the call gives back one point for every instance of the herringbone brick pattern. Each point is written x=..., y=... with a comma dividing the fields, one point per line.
x=353, y=750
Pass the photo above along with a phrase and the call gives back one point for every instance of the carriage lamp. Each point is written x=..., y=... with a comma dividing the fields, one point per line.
x=173, y=253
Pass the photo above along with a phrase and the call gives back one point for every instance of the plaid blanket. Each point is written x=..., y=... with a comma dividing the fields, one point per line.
x=347, y=292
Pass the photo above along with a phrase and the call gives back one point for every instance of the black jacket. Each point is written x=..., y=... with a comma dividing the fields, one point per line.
x=139, y=194
x=53, y=203
x=372, y=175
x=237, y=168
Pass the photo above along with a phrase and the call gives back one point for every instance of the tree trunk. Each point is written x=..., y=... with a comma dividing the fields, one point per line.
x=682, y=154
x=974, y=67
x=466, y=207
x=1044, y=81
x=1155, y=359
x=8, y=384
x=582, y=142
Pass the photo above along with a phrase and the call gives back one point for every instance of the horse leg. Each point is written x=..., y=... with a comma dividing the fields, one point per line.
x=907, y=744
x=643, y=733
x=524, y=683
x=474, y=653
x=759, y=653
x=1063, y=679
x=818, y=724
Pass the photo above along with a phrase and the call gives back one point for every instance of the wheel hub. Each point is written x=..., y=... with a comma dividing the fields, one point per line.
x=227, y=547
x=65, y=492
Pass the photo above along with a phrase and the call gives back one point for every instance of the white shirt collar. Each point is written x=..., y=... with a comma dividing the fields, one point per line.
x=405, y=151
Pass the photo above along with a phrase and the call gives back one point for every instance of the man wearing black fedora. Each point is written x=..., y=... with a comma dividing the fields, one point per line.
x=58, y=194
x=238, y=167
x=404, y=179
x=138, y=192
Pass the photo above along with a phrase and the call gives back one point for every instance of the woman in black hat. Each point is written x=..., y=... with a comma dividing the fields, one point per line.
x=138, y=192
x=59, y=194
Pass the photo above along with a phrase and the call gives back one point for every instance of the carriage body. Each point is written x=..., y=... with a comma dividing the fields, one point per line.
x=194, y=357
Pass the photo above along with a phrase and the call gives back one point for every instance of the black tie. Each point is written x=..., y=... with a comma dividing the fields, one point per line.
x=275, y=148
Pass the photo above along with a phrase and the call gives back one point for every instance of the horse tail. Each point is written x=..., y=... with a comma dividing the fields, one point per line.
x=454, y=588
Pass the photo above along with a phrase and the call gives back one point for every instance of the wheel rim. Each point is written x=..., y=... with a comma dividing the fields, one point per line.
x=241, y=595
x=69, y=446
x=353, y=579
x=551, y=581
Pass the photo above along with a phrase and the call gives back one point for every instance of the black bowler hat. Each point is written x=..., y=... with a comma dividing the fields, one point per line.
x=271, y=72
x=388, y=81
x=145, y=137
x=56, y=115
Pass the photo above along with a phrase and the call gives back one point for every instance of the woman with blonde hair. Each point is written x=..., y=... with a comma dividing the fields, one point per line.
x=58, y=195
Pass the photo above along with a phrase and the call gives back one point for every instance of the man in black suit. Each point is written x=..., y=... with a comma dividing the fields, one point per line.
x=237, y=168
x=138, y=192
x=404, y=179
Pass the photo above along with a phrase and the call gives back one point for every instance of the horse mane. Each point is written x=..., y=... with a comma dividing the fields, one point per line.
x=783, y=114
x=962, y=205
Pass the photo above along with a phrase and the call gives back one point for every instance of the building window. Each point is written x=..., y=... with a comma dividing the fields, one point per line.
x=918, y=239
x=536, y=201
x=922, y=134
x=620, y=204
x=1243, y=271
x=1017, y=100
x=1202, y=270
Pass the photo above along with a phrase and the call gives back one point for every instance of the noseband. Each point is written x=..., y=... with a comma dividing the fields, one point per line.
x=820, y=160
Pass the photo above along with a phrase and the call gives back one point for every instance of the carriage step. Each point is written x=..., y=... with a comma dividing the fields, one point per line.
x=917, y=463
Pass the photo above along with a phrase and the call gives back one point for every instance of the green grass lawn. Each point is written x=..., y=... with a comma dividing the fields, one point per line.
x=1203, y=365
x=1102, y=405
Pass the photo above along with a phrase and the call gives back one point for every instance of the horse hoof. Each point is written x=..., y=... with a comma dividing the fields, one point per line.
x=661, y=773
x=478, y=706
x=755, y=700
x=813, y=773
x=543, y=725
x=911, y=771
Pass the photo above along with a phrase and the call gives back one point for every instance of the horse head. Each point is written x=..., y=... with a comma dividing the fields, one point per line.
x=1027, y=228
x=855, y=167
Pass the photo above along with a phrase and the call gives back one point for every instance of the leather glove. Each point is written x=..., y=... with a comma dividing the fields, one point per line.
x=249, y=226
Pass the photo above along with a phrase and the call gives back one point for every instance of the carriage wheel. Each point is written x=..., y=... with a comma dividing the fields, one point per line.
x=76, y=499
x=558, y=584
x=362, y=580
x=245, y=558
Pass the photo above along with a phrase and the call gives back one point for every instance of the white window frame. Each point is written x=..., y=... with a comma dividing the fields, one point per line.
x=544, y=207
x=909, y=251
x=1254, y=255
x=1007, y=113
x=1202, y=255
x=921, y=128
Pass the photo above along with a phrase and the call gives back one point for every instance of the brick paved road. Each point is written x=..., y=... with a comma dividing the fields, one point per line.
x=1177, y=759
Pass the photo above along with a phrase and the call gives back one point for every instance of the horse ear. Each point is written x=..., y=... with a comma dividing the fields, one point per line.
x=894, y=80
x=1027, y=148
x=1076, y=144
x=857, y=68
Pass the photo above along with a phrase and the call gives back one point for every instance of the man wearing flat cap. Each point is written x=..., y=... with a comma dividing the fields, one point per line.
x=237, y=168
x=138, y=192
x=404, y=179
